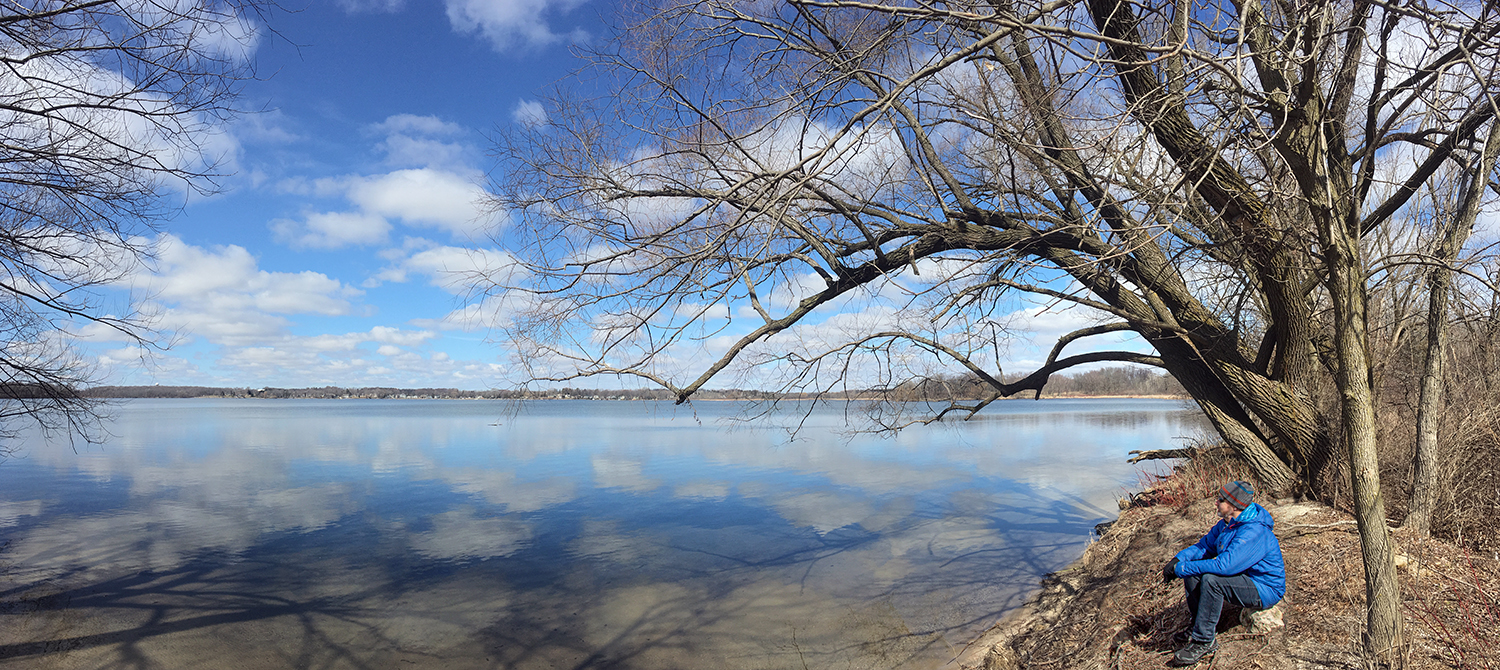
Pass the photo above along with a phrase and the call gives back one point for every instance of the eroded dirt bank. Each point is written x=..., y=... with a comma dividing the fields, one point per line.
x=1111, y=609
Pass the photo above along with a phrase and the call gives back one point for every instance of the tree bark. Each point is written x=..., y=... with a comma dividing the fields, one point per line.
x=1384, y=639
x=1230, y=419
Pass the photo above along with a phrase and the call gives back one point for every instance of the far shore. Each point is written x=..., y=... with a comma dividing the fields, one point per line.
x=295, y=394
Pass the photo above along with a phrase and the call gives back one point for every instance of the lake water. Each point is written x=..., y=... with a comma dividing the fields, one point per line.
x=577, y=534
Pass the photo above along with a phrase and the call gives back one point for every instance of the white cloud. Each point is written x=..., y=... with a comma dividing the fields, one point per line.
x=94, y=331
x=1046, y=324
x=436, y=187
x=326, y=187
x=788, y=294
x=372, y=6
x=701, y=311
x=232, y=35
x=233, y=327
x=529, y=113
x=222, y=295
x=268, y=127
x=511, y=24
x=454, y=269
x=407, y=151
x=269, y=362
x=492, y=311
x=405, y=338
x=51, y=94
x=1056, y=320
x=413, y=141
x=425, y=197
x=125, y=355
x=332, y=230
x=468, y=318
x=414, y=124
x=862, y=160
x=382, y=335
x=378, y=357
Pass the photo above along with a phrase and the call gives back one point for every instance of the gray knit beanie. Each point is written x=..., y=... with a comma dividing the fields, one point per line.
x=1238, y=494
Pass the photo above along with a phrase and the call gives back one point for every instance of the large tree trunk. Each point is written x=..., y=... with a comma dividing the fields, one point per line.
x=1439, y=282
x=1277, y=398
x=1231, y=421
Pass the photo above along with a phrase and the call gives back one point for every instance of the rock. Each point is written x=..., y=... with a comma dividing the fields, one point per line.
x=1406, y=562
x=1002, y=658
x=1263, y=621
x=992, y=649
x=1284, y=513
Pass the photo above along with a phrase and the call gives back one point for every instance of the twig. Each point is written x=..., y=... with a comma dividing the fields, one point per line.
x=1320, y=525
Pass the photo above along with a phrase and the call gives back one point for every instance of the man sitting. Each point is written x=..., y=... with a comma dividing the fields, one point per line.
x=1239, y=560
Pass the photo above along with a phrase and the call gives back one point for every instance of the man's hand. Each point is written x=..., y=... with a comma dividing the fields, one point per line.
x=1169, y=572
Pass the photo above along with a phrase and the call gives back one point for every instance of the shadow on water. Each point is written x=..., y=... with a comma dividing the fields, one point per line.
x=414, y=536
x=692, y=601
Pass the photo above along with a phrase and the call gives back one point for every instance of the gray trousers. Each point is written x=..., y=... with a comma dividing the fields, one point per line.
x=1206, y=594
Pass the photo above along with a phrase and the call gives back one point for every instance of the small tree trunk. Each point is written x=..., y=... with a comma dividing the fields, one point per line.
x=1430, y=402
x=1384, y=640
x=1429, y=407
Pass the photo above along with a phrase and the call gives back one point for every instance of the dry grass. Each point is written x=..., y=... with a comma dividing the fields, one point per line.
x=1452, y=597
x=1192, y=481
x=1468, y=450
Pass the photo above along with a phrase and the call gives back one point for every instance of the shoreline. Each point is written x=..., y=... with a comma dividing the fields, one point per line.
x=1085, y=596
x=598, y=399
x=996, y=648
x=1111, y=609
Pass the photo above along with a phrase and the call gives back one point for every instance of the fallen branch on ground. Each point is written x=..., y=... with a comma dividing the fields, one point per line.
x=1163, y=454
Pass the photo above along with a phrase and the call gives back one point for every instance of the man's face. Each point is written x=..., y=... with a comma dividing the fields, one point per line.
x=1227, y=511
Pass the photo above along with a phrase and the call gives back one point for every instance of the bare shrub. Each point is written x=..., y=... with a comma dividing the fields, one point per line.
x=1192, y=479
x=1468, y=444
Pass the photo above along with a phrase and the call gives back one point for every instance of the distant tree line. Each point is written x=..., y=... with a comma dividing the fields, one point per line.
x=385, y=392
x=1112, y=381
x=322, y=392
x=1115, y=381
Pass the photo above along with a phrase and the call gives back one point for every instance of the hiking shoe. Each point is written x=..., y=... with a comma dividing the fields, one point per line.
x=1194, y=652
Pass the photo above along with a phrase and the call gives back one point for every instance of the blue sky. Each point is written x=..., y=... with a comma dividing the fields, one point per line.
x=328, y=257
x=353, y=205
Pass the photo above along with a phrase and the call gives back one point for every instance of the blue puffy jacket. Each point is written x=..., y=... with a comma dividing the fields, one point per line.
x=1246, y=545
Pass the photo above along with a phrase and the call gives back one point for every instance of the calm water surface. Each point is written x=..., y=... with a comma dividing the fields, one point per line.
x=579, y=534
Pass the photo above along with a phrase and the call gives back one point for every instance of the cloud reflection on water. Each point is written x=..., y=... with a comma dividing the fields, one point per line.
x=615, y=532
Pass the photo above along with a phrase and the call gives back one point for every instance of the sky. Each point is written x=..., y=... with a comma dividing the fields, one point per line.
x=333, y=251
x=353, y=200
